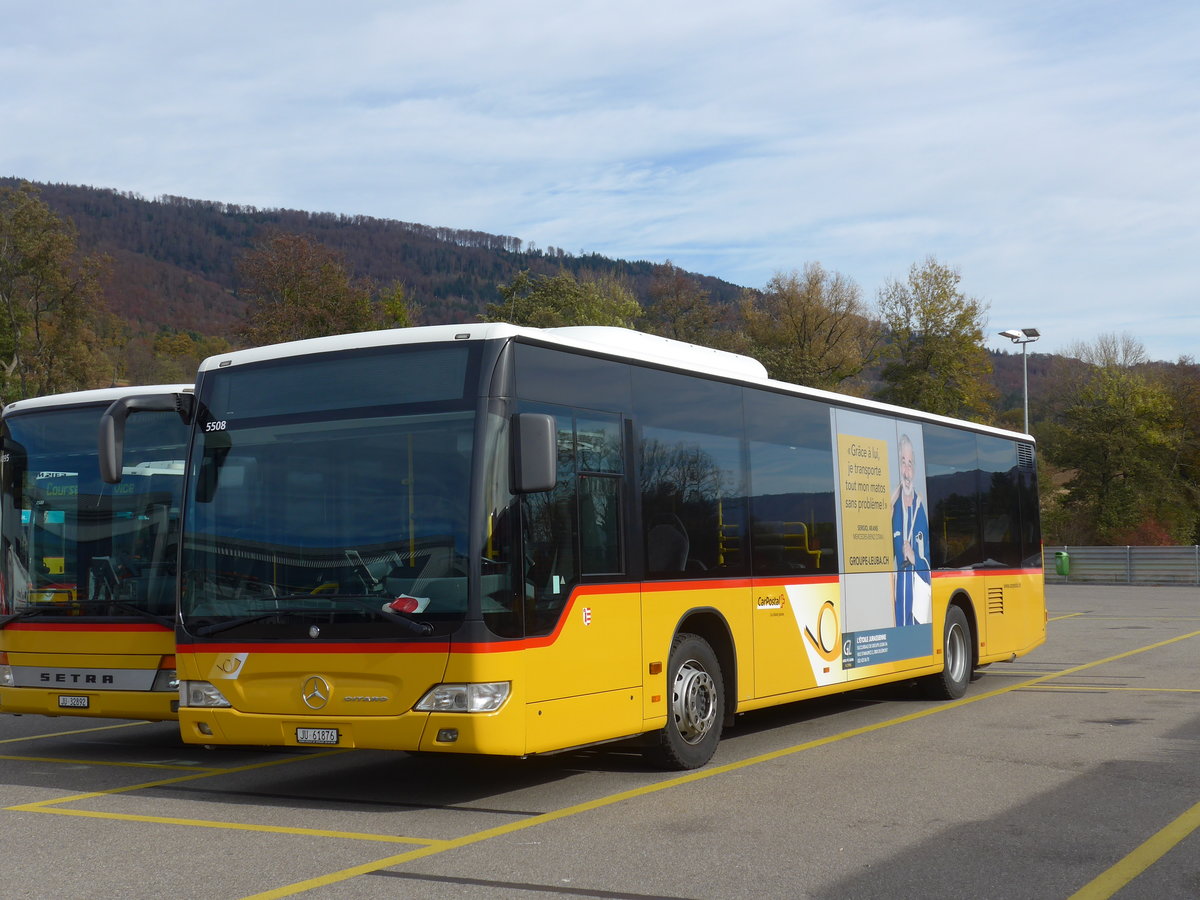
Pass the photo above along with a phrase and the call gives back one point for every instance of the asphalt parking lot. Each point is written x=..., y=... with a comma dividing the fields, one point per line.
x=1071, y=773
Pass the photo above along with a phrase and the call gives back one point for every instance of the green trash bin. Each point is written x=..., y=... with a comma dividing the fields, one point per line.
x=1062, y=563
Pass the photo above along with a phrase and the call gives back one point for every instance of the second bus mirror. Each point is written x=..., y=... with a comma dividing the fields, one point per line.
x=535, y=454
x=111, y=439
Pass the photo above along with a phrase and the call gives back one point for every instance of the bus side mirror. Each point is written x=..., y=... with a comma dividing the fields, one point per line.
x=111, y=437
x=535, y=455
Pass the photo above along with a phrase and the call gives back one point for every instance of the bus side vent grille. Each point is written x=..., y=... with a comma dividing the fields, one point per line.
x=1025, y=457
x=995, y=601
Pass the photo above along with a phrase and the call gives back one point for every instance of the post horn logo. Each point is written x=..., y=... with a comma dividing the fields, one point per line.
x=315, y=692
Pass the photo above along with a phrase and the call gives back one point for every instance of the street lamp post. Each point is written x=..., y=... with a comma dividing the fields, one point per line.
x=1023, y=336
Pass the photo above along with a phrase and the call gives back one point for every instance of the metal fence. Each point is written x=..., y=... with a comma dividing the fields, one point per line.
x=1122, y=565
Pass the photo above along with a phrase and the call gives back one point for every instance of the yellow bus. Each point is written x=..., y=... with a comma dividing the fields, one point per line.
x=499, y=540
x=87, y=569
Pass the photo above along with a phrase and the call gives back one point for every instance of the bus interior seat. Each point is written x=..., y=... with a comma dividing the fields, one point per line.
x=667, y=545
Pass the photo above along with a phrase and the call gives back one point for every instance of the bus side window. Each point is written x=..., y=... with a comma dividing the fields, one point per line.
x=793, y=513
x=952, y=482
x=574, y=529
x=548, y=523
x=599, y=524
x=1000, y=501
x=691, y=473
x=600, y=462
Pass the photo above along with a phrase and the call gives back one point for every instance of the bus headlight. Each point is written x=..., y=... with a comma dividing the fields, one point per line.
x=470, y=698
x=6, y=677
x=201, y=694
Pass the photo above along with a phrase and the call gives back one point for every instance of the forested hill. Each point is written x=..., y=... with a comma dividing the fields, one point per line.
x=173, y=258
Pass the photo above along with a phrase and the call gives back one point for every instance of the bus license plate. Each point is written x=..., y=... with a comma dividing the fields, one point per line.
x=316, y=735
x=73, y=702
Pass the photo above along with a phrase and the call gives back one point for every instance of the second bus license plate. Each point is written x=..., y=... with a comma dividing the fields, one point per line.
x=73, y=702
x=316, y=735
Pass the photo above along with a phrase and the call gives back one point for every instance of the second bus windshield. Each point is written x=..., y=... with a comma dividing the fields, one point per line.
x=74, y=544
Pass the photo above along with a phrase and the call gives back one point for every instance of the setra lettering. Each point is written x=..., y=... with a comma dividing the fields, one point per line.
x=75, y=678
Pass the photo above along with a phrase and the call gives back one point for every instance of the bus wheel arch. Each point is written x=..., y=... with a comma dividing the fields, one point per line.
x=699, y=693
x=711, y=625
x=959, y=654
x=963, y=601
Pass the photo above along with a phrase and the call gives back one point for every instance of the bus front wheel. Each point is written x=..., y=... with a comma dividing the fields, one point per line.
x=697, y=706
x=951, y=683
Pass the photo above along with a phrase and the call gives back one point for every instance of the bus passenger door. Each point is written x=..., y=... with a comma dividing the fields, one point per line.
x=582, y=616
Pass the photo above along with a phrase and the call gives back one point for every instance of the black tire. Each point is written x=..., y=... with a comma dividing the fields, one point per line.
x=951, y=683
x=696, y=712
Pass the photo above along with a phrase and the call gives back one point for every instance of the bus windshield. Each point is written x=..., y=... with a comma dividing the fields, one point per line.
x=338, y=510
x=73, y=545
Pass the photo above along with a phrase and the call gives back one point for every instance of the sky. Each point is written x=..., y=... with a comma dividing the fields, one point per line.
x=1048, y=151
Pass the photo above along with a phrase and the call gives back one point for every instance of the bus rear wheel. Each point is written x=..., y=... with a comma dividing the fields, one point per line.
x=697, y=706
x=951, y=683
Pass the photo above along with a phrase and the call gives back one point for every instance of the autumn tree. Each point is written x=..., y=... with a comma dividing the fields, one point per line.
x=177, y=355
x=679, y=308
x=295, y=288
x=1118, y=441
x=50, y=301
x=1182, y=381
x=550, y=301
x=810, y=327
x=934, y=358
x=395, y=308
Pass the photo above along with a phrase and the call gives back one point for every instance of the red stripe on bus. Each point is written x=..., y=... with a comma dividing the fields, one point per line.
x=977, y=573
x=502, y=645
x=314, y=647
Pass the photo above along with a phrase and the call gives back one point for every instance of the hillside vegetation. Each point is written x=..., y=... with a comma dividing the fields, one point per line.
x=99, y=286
x=174, y=260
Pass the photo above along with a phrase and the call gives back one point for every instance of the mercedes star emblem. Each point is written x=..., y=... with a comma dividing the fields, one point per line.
x=315, y=692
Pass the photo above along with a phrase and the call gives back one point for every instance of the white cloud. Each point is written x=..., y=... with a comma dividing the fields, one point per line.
x=1047, y=150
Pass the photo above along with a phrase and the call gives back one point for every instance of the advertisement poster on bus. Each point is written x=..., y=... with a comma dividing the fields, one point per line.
x=883, y=523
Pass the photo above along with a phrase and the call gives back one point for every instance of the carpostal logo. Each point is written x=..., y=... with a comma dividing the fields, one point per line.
x=770, y=602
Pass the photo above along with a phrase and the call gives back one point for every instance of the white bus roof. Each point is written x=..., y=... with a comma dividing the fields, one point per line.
x=101, y=395
x=619, y=343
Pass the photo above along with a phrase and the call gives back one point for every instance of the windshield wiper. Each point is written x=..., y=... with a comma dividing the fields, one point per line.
x=165, y=621
x=414, y=627
x=23, y=614
x=371, y=603
x=58, y=609
x=216, y=627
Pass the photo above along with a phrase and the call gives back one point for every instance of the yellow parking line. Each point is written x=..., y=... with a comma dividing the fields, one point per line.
x=238, y=826
x=1144, y=618
x=1092, y=618
x=40, y=805
x=130, y=765
x=533, y=821
x=431, y=847
x=1107, y=883
x=1101, y=688
x=38, y=737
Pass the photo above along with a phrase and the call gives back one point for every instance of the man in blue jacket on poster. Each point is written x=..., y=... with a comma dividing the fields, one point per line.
x=910, y=541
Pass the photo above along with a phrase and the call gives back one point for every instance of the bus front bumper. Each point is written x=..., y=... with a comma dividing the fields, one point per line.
x=489, y=734
x=153, y=706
